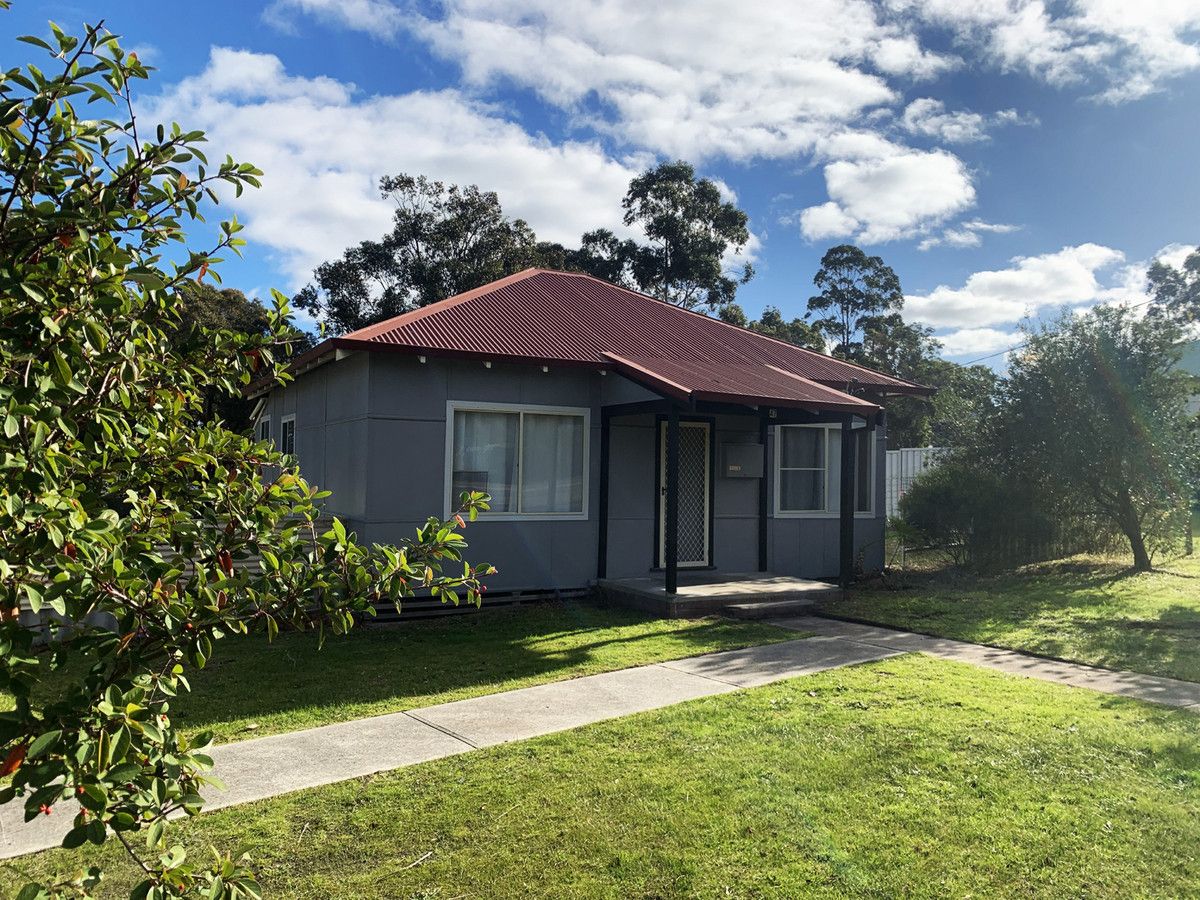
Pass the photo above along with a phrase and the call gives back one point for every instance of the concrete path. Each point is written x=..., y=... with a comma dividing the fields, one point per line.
x=269, y=766
x=1151, y=688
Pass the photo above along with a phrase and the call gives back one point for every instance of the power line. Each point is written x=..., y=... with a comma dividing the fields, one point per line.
x=1022, y=345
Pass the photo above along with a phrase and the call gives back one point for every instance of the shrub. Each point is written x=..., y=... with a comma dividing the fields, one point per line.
x=987, y=518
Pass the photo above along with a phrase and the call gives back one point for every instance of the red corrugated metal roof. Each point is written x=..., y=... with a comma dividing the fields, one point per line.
x=568, y=318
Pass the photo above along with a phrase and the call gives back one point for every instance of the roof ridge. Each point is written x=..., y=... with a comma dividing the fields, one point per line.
x=709, y=318
x=369, y=332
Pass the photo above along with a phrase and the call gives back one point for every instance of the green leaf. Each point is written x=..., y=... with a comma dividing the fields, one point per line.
x=32, y=892
x=43, y=743
x=154, y=834
x=35, y=597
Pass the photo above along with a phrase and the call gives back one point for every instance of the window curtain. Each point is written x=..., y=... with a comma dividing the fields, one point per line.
x=552, y=464
x=802, y=470
x=485, y=457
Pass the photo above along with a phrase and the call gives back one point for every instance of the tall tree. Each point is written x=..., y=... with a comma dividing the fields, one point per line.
x=603, y=255
x=772, y=324
x=1094, y=403
x=690, y=229
x=856, y=292
x=1176, y=292
x=445, y=239
x=127, y=518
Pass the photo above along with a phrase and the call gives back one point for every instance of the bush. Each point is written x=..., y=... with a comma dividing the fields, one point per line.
x=983, y=518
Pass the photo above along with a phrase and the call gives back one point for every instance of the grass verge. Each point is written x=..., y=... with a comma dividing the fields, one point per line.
x=907, y=777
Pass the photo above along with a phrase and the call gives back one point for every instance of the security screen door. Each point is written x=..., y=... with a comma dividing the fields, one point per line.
x=694, y=478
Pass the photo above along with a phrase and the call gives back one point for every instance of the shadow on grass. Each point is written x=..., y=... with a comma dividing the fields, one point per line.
x=378, y=669
x=1084, y=609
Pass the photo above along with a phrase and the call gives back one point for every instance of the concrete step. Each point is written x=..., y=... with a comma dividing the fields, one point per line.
x=768, y=608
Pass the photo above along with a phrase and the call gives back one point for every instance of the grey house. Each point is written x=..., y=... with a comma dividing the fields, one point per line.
x=619, y=436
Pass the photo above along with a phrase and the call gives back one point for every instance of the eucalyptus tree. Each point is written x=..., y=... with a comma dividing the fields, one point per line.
x=690, y=232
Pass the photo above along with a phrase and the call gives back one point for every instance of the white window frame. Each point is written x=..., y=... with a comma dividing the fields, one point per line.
x=454, y=406
x=283, y=420
x=828, y=512
x=258, y=435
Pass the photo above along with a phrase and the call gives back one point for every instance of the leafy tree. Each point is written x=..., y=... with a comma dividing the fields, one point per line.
x=772, y=324
x=603, y=255
x=857, y=292
x=1094, y=405
x=1176, y=292
x=204, y=309
x=965, y=399
x=445, y=239
x=124, y=512
x=689, y=229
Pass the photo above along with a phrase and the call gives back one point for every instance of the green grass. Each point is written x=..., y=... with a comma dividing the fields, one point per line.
x=1084, y=609
x=252, y=687
x=908, y=777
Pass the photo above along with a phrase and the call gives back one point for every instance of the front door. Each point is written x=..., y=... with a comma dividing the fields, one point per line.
x=694, y=479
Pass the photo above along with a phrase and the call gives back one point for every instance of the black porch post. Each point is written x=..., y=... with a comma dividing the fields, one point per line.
x=846, y=516
x=671, y=514
x=602, y=539
x=763, y=496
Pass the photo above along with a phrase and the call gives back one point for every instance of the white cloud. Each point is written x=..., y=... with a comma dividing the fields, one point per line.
x=827, y=221
x=982, y=315
x=904, y=56
x=323, y=147
x=966, y=234
x=1174, y=255
x=687, y=80
x=1029, y=285
x=1120, y=48
x=928, y=117
x=977, y=341
x=891, y=196
x=379, y=18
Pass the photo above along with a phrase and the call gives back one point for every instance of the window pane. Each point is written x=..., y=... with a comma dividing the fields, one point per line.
x=485, y=457
x=863, y=486
x=287, y=437
x=802, y=491
x=552, y=464
x=264, y=429
x=803, y=448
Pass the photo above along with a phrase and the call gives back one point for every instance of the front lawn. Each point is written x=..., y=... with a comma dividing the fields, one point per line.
x=252, y=687
x=908, y=777
x=1081, y=609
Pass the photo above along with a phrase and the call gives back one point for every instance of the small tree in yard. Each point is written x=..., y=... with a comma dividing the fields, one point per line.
x=1093, y=405
x=123, y=510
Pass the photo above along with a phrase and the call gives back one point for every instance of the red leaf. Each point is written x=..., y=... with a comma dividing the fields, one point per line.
x=13, y=761
x=225, y=561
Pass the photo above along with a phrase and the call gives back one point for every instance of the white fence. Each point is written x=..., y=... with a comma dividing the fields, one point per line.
x=903, y=466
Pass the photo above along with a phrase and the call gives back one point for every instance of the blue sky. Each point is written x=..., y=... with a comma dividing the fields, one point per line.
x=1006, y=157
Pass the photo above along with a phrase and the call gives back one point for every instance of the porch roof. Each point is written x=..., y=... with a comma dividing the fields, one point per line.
x=737, y=382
